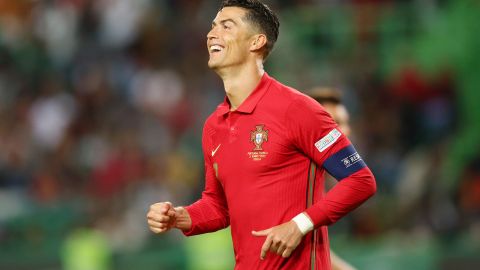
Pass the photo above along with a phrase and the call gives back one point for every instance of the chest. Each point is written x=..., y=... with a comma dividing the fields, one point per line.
x=250, y=147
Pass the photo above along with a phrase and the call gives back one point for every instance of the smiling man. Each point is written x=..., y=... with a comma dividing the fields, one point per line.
x=266, y=148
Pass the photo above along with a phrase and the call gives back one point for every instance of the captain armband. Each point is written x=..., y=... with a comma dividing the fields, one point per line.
x=344, y=163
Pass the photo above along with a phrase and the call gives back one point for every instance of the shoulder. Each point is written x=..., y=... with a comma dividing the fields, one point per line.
x=209, y=124
x=293, y=99
x=208, y=130
x=299, y=109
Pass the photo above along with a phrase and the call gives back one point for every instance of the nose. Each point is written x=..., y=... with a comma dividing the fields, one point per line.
x=212, y=34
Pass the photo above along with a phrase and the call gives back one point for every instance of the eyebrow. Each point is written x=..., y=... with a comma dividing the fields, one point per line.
x=224, y=21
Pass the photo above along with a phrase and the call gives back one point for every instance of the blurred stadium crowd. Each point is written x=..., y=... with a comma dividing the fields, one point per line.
x=102, y=105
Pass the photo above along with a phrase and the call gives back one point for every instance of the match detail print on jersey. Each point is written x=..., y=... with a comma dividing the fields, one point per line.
x=328, y=140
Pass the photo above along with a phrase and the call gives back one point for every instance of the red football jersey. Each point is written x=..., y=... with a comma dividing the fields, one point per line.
x=265, y=164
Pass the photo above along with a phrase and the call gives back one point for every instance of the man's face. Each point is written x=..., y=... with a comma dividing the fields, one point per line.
x=229, y=40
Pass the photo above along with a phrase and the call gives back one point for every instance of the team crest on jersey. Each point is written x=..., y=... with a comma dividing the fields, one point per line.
x=258, y=137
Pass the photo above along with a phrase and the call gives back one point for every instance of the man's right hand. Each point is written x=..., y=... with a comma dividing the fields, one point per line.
x=163, y=216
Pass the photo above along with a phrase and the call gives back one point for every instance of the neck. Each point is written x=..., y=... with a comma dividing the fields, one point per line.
x=239, y=82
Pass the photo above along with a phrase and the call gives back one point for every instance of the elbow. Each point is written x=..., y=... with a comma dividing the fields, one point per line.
x=372, y=185
x=368, y=183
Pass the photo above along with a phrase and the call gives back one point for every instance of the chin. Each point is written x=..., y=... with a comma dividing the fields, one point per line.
x=213, y=65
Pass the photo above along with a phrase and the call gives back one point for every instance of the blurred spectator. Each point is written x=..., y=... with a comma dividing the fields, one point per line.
x=50, y=115
x=468, y=199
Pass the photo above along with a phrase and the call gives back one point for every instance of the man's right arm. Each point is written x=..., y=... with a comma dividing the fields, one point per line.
x=208, y=214
x=163, y=216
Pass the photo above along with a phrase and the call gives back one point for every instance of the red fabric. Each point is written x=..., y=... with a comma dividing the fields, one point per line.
x=258, y=189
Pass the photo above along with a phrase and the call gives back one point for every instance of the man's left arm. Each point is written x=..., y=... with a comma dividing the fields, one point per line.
x=313, y=131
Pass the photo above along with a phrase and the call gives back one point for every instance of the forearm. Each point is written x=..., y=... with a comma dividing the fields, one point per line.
x=183, y=221
x=206, y=216
x=344, y=197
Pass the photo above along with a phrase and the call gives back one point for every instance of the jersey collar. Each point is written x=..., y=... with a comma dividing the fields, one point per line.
x=252, y=100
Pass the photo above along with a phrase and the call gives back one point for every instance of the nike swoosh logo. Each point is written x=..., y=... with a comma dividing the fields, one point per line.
x=215, y=151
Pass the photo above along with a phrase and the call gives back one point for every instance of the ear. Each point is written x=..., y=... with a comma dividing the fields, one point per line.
x=258, y=42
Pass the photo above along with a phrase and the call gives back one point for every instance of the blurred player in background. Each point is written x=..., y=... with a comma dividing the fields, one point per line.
x=266, y=148
x=331, y=100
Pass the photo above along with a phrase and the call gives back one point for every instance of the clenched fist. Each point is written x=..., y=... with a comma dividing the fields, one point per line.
x=163, y=216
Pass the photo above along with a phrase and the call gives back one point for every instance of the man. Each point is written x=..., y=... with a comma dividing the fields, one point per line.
x=331, y=101
x=266, y=148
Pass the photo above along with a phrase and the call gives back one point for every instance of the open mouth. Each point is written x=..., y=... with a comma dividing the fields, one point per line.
x=216, y=48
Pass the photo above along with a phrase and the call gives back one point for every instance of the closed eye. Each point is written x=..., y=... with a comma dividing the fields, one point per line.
x=226, y=24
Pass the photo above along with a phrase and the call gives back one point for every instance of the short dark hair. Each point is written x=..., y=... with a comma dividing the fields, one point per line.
x=261, y=16
x=324, y=95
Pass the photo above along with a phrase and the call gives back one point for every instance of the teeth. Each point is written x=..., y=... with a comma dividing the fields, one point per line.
x=215, y=48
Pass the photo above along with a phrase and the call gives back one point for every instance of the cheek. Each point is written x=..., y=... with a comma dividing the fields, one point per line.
x=240, y=49
x=237, y=47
